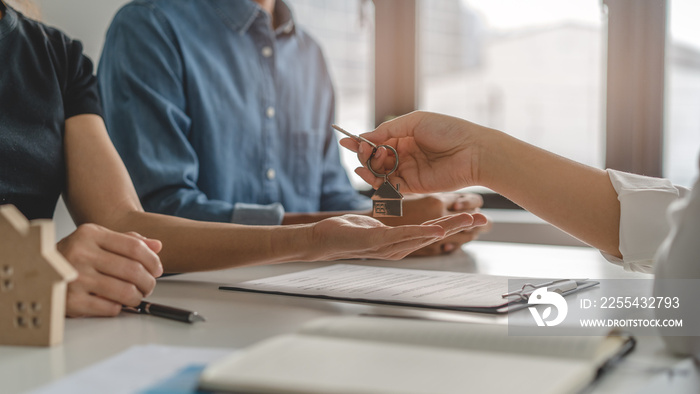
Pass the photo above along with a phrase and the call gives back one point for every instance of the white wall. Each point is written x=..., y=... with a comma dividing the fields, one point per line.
x=87, y=21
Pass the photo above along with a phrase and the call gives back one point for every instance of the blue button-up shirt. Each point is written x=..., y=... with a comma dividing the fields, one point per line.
x=219, y=117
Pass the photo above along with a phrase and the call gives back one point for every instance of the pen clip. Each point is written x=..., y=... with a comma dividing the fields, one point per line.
x=559, y=286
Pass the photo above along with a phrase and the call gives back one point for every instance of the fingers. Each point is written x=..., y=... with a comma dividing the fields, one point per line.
x=435, y=247
x=105, y=288
x=114, y=269
x=353, y=236
x=442, y=246
x=81, y=304
x=364, y=150
x=480, y=219
x=394, y=235
x=121, y=292
x=455, y=238
x=376, y=182
x=399, y=242
x=111, y=277
x=465, y=202
x=132, y=248
x=350, y=144
x=381, y=161
x=368, y=177
x=453, y=223
x=402, y=249
x=155, y=245
x=462, y=222
x=448, y=245
x=455, y=241
x=129, y=272
x=402, y=126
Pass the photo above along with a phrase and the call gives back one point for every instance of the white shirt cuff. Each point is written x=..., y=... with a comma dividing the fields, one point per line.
x=643, y=222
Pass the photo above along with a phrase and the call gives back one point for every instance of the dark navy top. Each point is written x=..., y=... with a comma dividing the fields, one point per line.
x=44, y=80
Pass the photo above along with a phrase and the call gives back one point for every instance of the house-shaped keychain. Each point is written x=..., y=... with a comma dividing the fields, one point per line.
x=33, y=279
x=387, y=201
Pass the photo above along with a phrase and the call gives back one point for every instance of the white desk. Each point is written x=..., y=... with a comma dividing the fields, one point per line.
x=237, y=319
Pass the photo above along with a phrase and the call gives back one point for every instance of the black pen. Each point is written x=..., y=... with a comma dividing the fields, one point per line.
x=168, y=312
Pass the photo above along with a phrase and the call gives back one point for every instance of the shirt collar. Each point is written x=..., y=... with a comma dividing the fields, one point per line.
x=284, y=17
x=8, y=21
x=240, y=15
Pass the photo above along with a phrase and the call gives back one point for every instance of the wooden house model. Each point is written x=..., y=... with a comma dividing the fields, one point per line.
x=33, y=279
x=387, y=201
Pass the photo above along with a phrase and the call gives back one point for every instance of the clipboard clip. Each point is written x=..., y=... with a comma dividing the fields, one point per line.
x=559, y=286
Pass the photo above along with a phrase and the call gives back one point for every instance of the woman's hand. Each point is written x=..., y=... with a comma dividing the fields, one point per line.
x=419, y=209
x=441, y=153
x=114, y=269
x=437, y=152
x=358, y=236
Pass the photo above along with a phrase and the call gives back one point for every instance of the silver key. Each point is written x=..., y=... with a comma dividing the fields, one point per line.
x=387, y=201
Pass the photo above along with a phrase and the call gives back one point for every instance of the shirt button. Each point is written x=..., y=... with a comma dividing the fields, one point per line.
x=270, y=174
x=266, y=51
x=270, y=112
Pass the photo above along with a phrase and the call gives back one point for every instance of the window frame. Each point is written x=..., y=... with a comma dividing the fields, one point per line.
x=634, y=92
x=634, y=81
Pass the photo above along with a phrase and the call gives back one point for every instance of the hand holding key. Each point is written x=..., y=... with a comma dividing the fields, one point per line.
x=441, y=153
x=381, y=160
x=438, y=152
x=387, y=200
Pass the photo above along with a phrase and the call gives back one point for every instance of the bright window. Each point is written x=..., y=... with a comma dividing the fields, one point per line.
x=344, y=29
x=682, y=134
x=533, y=69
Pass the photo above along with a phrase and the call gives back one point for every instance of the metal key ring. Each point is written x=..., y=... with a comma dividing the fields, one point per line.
x=396, y=165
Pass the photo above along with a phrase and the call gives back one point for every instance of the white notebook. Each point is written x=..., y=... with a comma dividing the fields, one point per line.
x=386, y=355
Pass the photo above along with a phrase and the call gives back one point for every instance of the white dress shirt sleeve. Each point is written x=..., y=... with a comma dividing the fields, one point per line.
x=679, y=258
x=644, y=202
x=660, y=223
